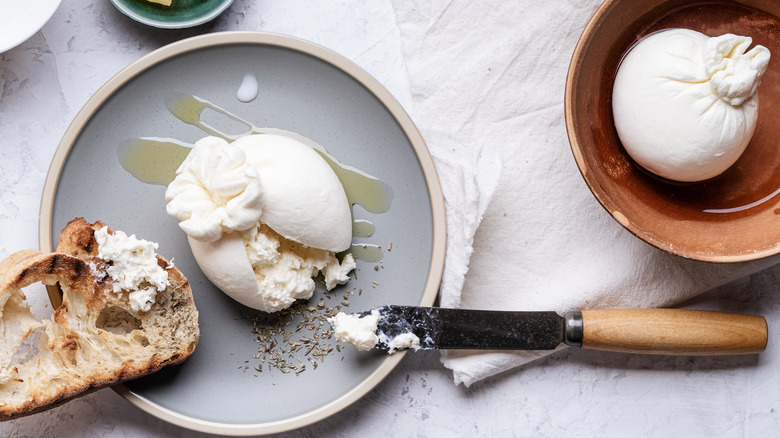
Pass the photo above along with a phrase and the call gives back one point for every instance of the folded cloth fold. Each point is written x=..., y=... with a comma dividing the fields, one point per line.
x=487, y=84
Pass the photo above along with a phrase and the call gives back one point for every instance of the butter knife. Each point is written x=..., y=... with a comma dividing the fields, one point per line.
x=648, y=331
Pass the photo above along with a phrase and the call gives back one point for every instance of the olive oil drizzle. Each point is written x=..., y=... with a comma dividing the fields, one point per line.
x=154, y=160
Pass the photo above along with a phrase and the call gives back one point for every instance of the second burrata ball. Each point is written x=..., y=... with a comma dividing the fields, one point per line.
x=685, y=105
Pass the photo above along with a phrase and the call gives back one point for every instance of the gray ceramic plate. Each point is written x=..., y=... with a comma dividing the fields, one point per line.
x=302, y=88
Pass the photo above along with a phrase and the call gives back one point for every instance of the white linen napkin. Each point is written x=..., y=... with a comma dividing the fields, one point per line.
x=487, y=83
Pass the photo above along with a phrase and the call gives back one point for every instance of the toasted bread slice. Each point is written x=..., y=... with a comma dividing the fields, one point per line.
x=94, y=338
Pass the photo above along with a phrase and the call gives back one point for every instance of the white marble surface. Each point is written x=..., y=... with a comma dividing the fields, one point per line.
x=46, y=80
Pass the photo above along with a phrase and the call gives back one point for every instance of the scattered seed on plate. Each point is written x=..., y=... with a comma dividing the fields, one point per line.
x=285, y=339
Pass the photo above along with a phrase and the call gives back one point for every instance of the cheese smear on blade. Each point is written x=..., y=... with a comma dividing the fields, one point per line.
x=263, y=216
x=363, y=332
x=685, y=105
x=356, y=330
x=403, y=341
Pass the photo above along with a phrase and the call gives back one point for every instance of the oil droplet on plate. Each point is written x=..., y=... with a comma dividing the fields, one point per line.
x=248, y=90
x=366, y=252
x=153, y=160
x=362, y=228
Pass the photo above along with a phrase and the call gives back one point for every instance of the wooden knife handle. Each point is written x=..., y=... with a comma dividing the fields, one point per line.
x=673, y=331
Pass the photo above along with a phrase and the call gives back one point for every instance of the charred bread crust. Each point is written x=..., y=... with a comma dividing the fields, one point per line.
x=78, y=238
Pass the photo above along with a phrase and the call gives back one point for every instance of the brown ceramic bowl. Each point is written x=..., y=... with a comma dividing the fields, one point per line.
x=733, y=217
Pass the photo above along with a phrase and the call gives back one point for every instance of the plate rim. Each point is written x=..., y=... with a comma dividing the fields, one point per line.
x=166, y=52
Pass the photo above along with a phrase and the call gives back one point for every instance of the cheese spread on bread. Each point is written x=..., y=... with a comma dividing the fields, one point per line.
x=133, y=267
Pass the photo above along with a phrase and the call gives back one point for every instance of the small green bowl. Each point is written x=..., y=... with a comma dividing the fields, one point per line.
x=180, y=14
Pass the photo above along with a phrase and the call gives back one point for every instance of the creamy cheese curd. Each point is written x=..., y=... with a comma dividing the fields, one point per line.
x=685, y=105
x=356, y=330
x=215, y=191
x=263, y=215
x=133, y=263
x=403, y=341
x=284, y=268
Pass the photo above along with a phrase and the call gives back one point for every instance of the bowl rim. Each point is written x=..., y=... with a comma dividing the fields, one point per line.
x=603, y=196
x=214, y=13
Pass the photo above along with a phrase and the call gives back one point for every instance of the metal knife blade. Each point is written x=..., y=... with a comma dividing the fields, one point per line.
x=443, y=328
